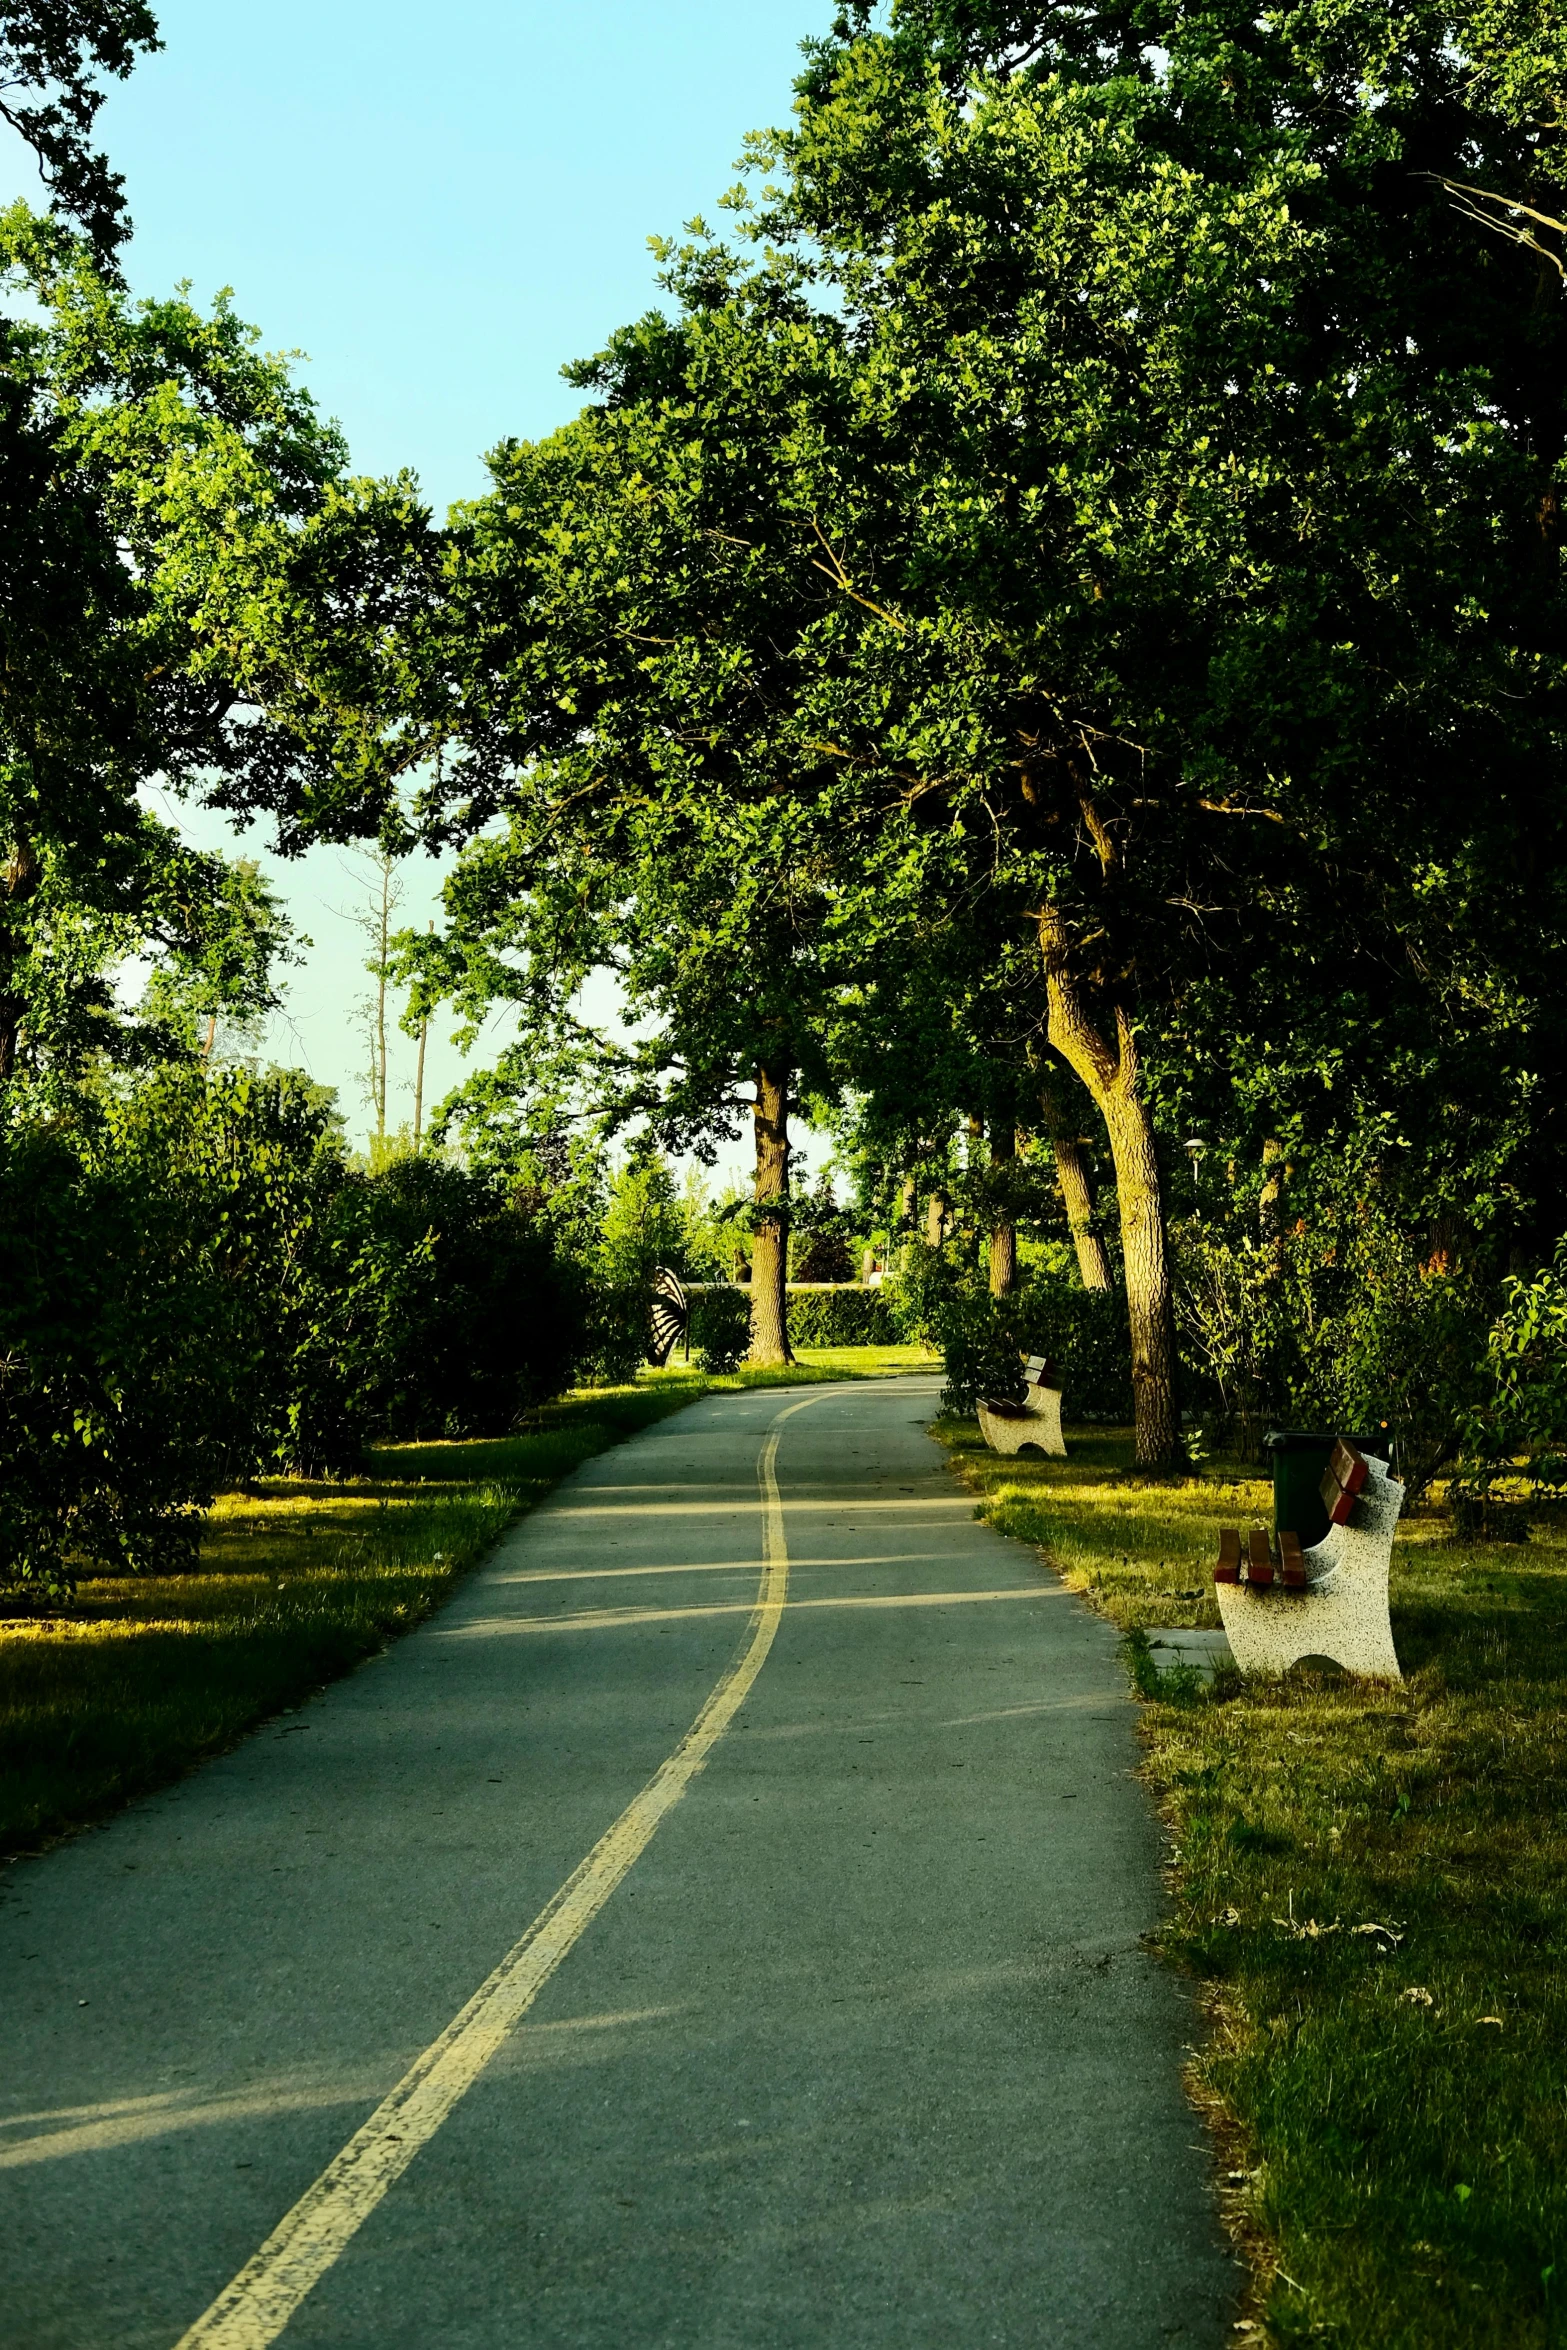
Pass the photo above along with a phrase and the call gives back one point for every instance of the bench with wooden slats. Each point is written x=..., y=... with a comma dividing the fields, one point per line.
x=1040, y=1371
x=1252, y=1559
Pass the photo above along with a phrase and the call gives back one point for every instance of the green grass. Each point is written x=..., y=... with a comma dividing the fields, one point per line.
x=1370, y=1881
x=298, y=1580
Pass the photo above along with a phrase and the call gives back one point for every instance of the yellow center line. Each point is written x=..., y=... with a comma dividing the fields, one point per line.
x=890, y=1558
x=254, y=2309
x=619, y=1619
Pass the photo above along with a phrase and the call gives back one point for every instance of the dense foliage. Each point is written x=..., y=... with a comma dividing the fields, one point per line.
x=196, y=1288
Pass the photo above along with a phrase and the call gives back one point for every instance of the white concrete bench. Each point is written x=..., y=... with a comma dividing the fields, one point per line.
x=1328, y=1601
x=1035, y=1422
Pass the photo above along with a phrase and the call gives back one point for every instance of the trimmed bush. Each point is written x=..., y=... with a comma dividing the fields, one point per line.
x=841, y=1317
x=721, y=1328
x=1082, y=1331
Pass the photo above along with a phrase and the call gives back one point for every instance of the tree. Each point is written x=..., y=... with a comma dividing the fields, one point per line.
x=208, y=928
x=1153, y=524
x=1202, y=439
x=621, y=696
x=374, y=919
x=51, y=55
x=191, y=588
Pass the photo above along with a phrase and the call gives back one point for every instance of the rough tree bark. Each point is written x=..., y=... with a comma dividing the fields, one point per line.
x=770, y=1240
x=1077, y=1194
x=1106, y=1060
x=936, y=1219
x=1003, y=1234
x=21, y=877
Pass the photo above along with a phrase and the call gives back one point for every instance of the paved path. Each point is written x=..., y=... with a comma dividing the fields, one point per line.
x=862, y=2050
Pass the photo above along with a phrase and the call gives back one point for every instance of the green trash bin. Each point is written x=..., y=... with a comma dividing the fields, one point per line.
x=1300, y=1456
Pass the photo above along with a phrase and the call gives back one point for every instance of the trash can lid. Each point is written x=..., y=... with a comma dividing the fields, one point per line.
x=1373, y=1440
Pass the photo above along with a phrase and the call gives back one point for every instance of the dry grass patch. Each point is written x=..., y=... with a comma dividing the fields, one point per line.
x=1371, y=1881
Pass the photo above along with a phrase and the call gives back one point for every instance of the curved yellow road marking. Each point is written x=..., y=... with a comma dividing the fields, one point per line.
x=254, y=2309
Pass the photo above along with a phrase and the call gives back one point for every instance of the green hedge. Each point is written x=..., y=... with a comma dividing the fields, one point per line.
x=1082, y=1331
x=841, y=1317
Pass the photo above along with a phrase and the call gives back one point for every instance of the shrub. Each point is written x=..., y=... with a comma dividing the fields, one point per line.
x=1229, y=1312
x=193, y=1286
x=434, y=1309
x=981, y=1354
x=1380, y=1329
x=1516, y=1427
x=617, y=1325
x=721, y=1328
x=142, y=1256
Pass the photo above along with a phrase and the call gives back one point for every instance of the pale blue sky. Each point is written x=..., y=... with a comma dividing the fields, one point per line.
x=440, y=206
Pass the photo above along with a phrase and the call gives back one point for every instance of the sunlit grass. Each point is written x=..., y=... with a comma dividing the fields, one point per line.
x=298, y=1580
x=1371, y=1883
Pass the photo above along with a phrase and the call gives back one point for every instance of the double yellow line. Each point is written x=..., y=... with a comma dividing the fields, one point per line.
x=255, y=2308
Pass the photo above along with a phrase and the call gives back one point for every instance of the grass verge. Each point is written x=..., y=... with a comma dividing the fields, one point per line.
x=297, y=1582
x=1370, y=1881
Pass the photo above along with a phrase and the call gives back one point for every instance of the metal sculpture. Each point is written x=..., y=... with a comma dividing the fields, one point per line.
x=671, y=1318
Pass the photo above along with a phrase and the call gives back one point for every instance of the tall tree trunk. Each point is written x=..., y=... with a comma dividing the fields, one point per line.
x=382, y=935
x=1003, y=1234
x=22, y=876
x=770, y=1240
x=908, y=1191
x=1077, y=1195
x=1110, y=1070
x=936, y=1219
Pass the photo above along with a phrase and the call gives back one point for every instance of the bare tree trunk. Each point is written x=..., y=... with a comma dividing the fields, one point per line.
x=424, y=1036
x=770, y=1240
x=1003, y=1234
x=383, y=932
x=907, y=1194
x=1111, y=1071
x=936, y=1219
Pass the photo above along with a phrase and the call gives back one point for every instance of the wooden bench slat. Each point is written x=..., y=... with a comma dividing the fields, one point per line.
x=1228, y=1569
x=1335, y=1500
x=1342, y=1479
x=1259, y=1557
x=1292, y=1561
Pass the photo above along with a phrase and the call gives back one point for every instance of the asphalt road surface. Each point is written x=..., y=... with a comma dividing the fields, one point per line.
x=840, y=2033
